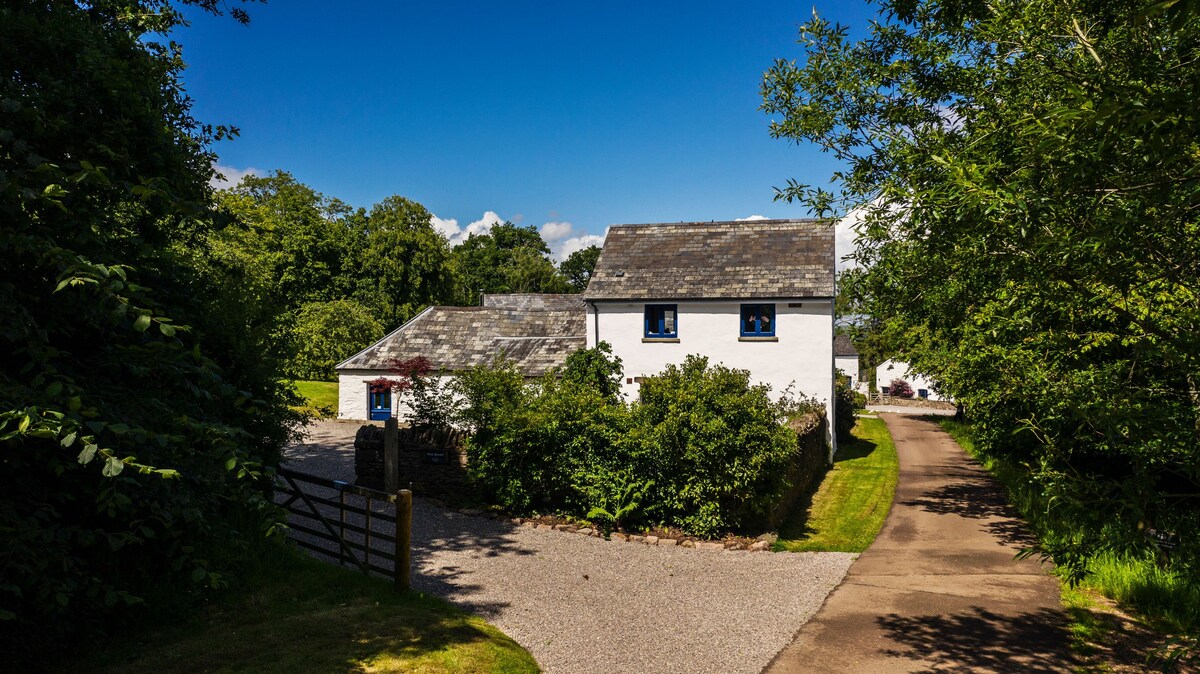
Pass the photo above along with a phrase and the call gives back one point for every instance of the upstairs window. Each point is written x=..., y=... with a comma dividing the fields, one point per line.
x=661, y=321
x=758, y=320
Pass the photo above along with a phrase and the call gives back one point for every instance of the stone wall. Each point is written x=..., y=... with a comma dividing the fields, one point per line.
x=431, y=461
x=812, y=432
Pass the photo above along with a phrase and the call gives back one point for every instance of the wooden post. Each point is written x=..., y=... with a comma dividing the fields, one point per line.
x=403, y=539
x=391, y=455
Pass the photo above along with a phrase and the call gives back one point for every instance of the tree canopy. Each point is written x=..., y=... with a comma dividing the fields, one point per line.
x=133, y=450
x=507, y=259
x=1027, y=177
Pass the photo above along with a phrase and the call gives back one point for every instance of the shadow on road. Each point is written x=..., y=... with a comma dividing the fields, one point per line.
x=979, y=640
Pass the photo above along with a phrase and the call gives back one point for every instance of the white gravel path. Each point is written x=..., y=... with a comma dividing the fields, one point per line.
x=582, y=604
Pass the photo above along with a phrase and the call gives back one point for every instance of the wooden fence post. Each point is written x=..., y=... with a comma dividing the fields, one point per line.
x=391, y=455
x=403, y=561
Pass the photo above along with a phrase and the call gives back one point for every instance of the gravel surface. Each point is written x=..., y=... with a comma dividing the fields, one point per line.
x=582, y=604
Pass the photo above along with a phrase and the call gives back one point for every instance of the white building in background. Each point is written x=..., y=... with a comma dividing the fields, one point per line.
x=921, y=385
x=845, y=358
x=753, y=295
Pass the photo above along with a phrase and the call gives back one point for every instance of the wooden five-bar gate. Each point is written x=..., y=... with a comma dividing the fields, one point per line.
x=349, y=523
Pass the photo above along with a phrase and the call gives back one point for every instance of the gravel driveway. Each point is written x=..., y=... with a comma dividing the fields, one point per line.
x=582, y=604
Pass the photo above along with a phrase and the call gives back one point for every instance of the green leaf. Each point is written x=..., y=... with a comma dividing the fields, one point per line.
x=142, y=323
x=167, y=330
x=88, y=453
x=113, y=467
x=68, y=440
x=54, y=389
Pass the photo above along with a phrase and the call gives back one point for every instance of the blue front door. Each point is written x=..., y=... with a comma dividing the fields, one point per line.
x=380, y=404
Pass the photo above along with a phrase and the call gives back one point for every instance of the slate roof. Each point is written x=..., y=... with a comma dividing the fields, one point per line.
x=457, y=338
x=716, y=260
x=535, y=301
x=842, y=346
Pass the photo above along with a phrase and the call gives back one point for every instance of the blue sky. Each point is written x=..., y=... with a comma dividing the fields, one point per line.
x=568, y=116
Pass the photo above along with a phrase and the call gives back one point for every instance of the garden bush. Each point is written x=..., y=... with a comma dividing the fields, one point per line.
x=703, y=449
x=843, y=413
x=900, y=389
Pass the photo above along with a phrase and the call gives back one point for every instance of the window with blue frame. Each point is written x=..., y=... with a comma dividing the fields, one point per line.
x=661, y=321
x=379, y=402
x=758, y=320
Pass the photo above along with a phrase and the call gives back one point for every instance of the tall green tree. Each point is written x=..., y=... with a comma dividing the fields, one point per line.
x=507, y=259
x=133, y=454
x=406, y=263
x=296, y=236
x=1028, y=172
x=578, y=267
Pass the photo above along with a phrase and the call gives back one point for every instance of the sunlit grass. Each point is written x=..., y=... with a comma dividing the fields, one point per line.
x=321, y=397
x=848, y=509
x=302, y=615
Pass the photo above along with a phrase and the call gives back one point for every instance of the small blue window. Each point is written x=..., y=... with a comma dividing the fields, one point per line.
x=758, y=320
x=380, y=403
x=661, y=321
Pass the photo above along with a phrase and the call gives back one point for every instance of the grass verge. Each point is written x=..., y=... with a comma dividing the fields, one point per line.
x=320, y=397
x=847, y=510
x=300, y=615
x=1126, y=610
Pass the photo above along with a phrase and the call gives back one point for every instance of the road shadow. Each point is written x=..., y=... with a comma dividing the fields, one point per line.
x=974, y=495
x=328, y=452
x=982, y=641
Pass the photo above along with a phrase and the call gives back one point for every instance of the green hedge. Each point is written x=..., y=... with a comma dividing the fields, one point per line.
x=703, y=449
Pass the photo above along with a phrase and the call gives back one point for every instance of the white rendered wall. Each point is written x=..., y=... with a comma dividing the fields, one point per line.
x=803, y=354
x=849, y=366
x=893, y=369
x=353, y=393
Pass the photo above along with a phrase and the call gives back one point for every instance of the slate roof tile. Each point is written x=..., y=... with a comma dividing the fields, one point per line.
x=716, y=260
x=457, y=338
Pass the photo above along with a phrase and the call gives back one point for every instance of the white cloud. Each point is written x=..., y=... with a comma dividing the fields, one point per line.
x=556, y=231
x=561, y=236
x=576, y=243
x=228, y=176
x=845, y=236
x=448, y=227
x=564, y=240
x=751, y=218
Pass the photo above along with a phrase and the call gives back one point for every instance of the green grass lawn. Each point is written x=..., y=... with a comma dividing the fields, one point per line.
x=847, y=511
x=300, y=615
x=321, y=397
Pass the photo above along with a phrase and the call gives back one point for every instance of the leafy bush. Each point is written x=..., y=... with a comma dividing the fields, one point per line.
x=845, y=406
x=595, y=367
x=900, y=389
x=550, y=445
x=702, y=449
x=713, y=444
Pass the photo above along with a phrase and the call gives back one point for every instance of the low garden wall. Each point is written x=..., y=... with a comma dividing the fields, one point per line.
x=809, y=466
x=431, y=461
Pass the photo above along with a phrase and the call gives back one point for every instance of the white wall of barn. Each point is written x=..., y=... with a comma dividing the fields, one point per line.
x=802, y=353
x=354, y=390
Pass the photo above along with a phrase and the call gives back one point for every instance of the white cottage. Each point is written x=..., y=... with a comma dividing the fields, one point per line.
x=536, y=332
x=922, y=386
x=755, y=295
